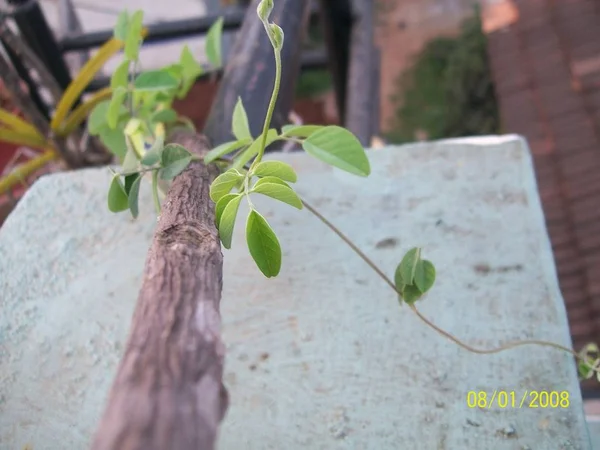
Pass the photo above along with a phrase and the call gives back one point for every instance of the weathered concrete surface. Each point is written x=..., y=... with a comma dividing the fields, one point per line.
x=321, y=357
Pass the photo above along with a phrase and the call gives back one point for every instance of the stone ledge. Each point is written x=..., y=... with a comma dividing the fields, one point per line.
x=322, y=356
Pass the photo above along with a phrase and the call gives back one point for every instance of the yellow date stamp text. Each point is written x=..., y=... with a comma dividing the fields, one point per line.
x=517, y=400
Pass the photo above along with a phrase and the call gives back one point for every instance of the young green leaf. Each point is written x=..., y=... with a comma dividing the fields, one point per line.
x=264, y=9
x=190, y=67
x=252, y=151
x=130, y=162
x=338, y=147
x=408, y=266
x=276, y=36
x=97, y=118
x=239, y=123
x=411, y=294
x=120, y=76
x=585, y=370
x=174, y=159
x=275, y=180
x=221, y=204
x=164, y=116
x=424, y=275
x=227, y=220
x=191, y=70
x=224, y=183
x=134, y=36
x=213, y=43
x=133, y=196
x=276, y=169
x=279, y=192
x=263, y=245
x=399, y=282
x=152, y=156
x=114, y=141
x=115, y=106
x=225, y=149
x=155, y=80
x=301, y=131
x=120, y=31
x=117, y=198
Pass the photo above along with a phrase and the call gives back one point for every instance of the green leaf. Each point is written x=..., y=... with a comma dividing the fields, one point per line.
x=399, y=282
x=155, y=80
x=224, y=183
x=411, y=294
x=175, y=70
x=152, y=156
x=134, y=36
x=120, y=31
x=114, y=141
x=239, y=123
x=424, y=275
x=263, y=245
x=133, y=196
x=252, y=151
x=221, y=204
x=191, y=70
x=270, y=180
x=130, y=162
x=97, y=118
x=164, y=116
x=279, y=192
x=264, y=9
x=276, y=36
x=302, y=131
x=190, y=67
x=213, y=43
x=120, y=76
x=408, y=265
x=117, y=198
x=227, y=220
x=224, y=149
x=174, y=159
x=276, y=169
x=338, y=147
x=115, y=106
x=585, y=369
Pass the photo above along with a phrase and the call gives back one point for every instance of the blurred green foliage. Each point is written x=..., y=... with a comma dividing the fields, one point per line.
x=448, y=92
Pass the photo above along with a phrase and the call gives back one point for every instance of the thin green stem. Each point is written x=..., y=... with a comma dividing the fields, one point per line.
x=425, y=320
x=271, y=108
x=155, y=191
x=145, y=170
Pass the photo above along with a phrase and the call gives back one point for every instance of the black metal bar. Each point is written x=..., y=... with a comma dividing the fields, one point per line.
x=361, y=104
x=36, y=32
x=31, y=85
x=232, y=19
x=250, y=73
x=337, y=26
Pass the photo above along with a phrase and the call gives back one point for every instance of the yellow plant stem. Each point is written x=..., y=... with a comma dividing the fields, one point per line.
x=16, y=138
x=17, y=124
x=81, y=113
x=23, y=171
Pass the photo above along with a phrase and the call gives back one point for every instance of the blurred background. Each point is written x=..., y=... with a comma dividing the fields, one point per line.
x=393, y=71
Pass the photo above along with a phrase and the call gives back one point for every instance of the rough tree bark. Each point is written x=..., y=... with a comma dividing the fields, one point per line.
x=168, y=392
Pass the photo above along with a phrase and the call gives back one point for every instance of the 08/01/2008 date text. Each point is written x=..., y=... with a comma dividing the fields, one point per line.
x=512, y=399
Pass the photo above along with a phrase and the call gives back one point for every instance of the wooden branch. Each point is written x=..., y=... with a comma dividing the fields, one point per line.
x=168, y=393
